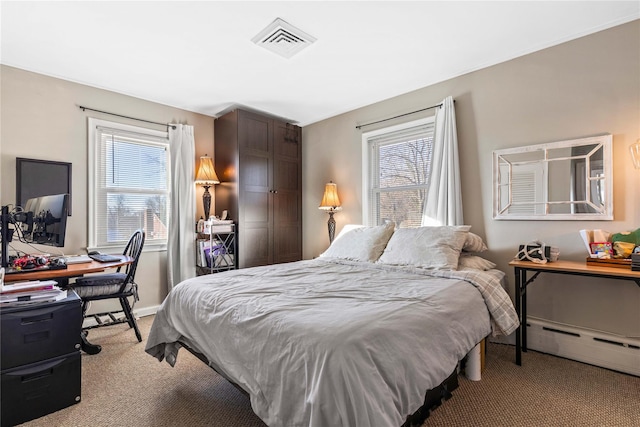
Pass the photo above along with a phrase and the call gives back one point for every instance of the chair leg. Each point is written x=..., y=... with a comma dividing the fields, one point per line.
x=85, y=308
x=124, y=302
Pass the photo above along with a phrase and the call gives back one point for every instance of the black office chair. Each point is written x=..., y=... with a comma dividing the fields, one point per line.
x=119, y=285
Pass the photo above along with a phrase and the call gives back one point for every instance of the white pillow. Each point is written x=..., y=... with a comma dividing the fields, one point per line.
x=474, y=243
x=359, y=243
x=347, y=228
x=475, y=262
x=436, y=248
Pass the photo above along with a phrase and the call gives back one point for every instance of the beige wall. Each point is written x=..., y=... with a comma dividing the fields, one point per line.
x=581, y=88
x=40, y=119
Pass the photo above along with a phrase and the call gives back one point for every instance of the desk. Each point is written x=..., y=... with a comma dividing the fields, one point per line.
x=557, y=267
x=63, y=275
x=72, y=270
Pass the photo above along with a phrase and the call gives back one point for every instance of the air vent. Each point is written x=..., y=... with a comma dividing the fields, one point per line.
x=283, y=38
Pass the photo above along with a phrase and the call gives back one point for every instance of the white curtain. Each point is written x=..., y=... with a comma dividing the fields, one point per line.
x=443, y=204
x=181, y=253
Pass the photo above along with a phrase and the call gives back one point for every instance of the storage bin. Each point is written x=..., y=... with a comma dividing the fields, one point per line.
x=31, y=391
x=37, y=332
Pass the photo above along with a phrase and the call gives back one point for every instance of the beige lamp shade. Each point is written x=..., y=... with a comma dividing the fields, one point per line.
x=206, y=174
x=635, y=154
x=330, y=199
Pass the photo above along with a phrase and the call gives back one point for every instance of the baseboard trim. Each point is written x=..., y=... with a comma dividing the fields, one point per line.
x=146, y=311
x=138, y=313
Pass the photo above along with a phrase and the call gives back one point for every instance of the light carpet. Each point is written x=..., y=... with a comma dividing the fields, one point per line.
x=124, y=386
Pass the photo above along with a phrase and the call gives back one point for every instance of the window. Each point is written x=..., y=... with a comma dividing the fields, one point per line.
x=396, y=173
x=129, y=176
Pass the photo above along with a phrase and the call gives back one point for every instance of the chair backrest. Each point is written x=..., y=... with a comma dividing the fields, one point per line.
x=133, y=249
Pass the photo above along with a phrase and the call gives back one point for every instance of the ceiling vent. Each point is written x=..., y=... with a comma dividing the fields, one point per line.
x=283, y=38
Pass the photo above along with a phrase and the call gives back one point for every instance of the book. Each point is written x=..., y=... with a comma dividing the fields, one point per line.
x=202, y=246
x=17, y=299
x=207, y=257
x=34, y=285
x=215, y=255
x=32, y=294
x=31, y=289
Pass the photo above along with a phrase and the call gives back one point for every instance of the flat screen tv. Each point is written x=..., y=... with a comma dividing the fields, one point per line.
x=49, y=220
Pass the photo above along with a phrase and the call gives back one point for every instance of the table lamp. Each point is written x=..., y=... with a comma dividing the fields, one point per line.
x=206, y=177
x=331, y=204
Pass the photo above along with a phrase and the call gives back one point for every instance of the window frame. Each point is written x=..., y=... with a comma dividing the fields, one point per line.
x=92, y=181
x=367, y=153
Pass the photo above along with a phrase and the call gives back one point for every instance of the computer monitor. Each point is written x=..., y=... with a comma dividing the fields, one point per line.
x=49, y=220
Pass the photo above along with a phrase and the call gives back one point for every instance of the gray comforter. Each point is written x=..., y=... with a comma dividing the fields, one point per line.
x=326, y=343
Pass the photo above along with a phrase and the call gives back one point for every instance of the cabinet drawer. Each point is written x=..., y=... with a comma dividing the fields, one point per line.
x=38, y=389
x=39, y=332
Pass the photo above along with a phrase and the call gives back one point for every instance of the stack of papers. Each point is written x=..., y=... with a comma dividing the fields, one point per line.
x=32, y=292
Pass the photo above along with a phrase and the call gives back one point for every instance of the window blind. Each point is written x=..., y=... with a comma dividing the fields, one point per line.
x=131, y=186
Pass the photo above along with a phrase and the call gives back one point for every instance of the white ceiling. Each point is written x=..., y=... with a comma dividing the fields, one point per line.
x=199, y=56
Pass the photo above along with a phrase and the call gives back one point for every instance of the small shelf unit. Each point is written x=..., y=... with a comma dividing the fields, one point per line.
x=217, y=251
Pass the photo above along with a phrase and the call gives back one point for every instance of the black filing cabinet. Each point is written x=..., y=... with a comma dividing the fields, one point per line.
x=40, y=358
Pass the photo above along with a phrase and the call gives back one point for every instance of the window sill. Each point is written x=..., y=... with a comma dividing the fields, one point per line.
x=118, y=249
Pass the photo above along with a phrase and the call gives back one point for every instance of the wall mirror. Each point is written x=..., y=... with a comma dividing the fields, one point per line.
x=565, y=180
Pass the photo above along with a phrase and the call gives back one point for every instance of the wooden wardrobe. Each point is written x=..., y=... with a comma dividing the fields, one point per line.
x=259, y=162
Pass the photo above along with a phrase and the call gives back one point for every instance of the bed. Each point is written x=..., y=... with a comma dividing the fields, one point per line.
x=355, y=337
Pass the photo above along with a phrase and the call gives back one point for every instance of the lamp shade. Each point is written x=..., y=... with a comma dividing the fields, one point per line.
x=635, y=154
x=206, y=174
x=330, y=199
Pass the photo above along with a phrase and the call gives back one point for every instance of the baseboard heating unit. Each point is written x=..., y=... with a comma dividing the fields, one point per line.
x=584, y=345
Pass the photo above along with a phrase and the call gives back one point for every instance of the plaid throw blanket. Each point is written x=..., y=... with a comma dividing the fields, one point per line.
x=504, y=319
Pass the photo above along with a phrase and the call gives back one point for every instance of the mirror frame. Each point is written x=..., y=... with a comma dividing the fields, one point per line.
x=607, y=159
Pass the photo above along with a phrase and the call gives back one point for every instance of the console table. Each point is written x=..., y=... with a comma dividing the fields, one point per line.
x=574, y=268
